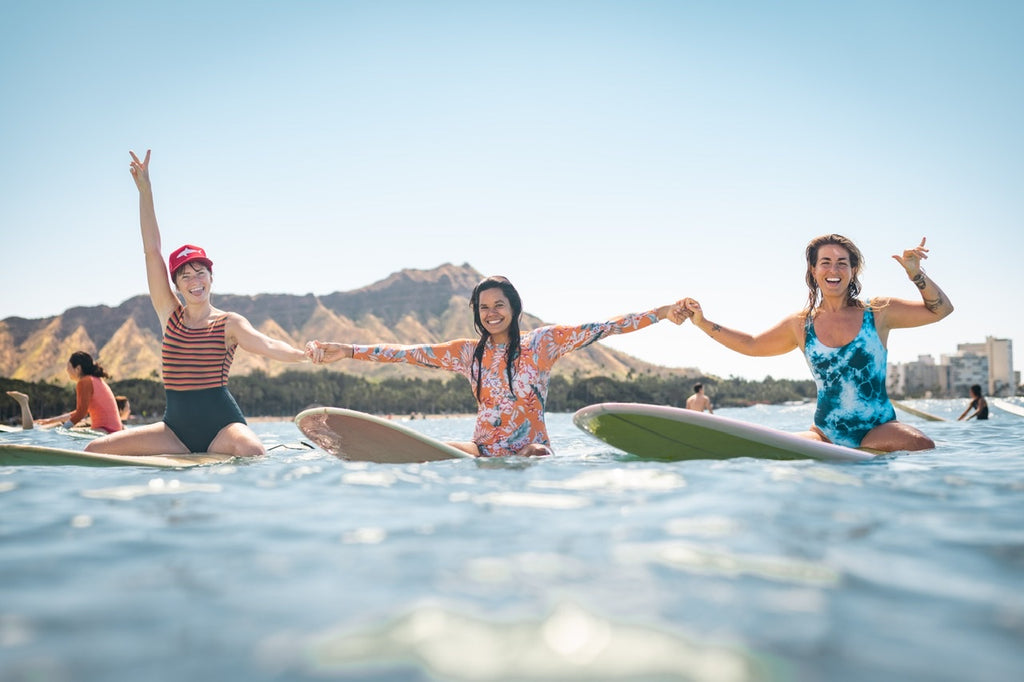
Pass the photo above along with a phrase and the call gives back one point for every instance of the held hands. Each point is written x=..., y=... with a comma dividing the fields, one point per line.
x=911, y=259
x=322, y=352
x=674, y=313
x=691, y=308
x=140, y=172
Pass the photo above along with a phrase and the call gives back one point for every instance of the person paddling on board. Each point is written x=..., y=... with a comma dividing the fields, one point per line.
x=844, y=341
x=199, y=344
x=508, y=369
x=93, y=398
x=978, y=404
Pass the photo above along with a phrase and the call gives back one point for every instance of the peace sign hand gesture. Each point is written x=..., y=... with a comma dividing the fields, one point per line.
x=140, y=172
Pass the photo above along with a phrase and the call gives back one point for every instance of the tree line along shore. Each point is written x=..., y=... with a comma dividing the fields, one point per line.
x=289, y=393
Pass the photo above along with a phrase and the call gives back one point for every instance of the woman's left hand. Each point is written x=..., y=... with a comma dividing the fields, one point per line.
x=911, y=258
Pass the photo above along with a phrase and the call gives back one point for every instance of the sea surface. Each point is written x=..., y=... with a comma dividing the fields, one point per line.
x=588, y=565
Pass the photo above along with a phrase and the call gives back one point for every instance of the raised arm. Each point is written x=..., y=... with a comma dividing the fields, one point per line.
x=934, y=305
x=160, y=291
x=782, y=338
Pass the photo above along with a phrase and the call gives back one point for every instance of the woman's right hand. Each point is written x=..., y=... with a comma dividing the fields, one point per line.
x=140, y=172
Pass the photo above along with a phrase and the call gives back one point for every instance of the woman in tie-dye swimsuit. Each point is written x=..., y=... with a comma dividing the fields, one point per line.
x=508, y=369
x=843, y=340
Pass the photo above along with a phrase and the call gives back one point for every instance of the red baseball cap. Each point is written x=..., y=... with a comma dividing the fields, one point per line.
x=187, y=254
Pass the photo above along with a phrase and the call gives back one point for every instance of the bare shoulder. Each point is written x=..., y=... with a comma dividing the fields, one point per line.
x=233, y=322
x=796, y=322
x=794, y=325
x=889, y=312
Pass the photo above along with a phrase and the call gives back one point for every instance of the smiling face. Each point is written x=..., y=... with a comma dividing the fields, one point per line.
x=495, y=313
x=193, y=281
x=833, y=272
x=833, y=267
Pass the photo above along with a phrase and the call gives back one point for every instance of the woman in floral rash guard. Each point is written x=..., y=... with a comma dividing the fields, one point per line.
x=508, y=369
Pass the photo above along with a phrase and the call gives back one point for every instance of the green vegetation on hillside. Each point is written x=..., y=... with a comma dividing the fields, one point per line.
x=292, y=392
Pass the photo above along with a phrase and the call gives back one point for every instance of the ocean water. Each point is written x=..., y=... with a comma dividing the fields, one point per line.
x=589, y=565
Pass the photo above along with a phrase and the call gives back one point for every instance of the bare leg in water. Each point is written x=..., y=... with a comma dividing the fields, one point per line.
x=26, y=413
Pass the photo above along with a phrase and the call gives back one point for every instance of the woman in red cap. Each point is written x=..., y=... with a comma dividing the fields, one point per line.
x=199, y=344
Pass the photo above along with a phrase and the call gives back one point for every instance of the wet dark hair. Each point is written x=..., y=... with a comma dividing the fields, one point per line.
x=856, y=260
x=976, y=390
x=84, y=362
x=697, y=387
x=512, y=353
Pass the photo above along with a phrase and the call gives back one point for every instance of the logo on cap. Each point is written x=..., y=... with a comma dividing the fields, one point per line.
x=186, y=254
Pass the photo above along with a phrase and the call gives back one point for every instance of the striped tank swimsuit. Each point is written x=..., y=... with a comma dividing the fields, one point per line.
x=196, y=362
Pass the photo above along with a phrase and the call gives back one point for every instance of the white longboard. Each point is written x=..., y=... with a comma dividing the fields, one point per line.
x=916, y=412
x=19, y=454
x=673, y=433
x=362, y=437
x=1007, y=406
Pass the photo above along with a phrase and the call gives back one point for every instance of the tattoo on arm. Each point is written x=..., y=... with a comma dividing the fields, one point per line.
x=919, y=280
x=933, y=304
x=715, y=328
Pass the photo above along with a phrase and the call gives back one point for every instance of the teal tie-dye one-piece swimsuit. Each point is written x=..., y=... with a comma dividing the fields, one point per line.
x=852, y=398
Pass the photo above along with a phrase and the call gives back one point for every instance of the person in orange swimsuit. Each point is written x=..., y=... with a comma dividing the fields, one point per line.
x=508, y=369
x=93, y=397
x=198, y=346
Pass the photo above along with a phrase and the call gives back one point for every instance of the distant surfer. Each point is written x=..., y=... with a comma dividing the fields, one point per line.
x=698, y=401
x=124, y=407
x=507, y=368
x=844, y=341
x=199, y=343
x=978, y=404
x=93, y=398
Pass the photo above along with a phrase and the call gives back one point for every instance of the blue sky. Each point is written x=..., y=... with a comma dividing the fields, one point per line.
x=605, y=156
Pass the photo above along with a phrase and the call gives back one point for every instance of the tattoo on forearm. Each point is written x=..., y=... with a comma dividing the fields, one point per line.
x=715, y=328
x=933, y=304
x=919, y=280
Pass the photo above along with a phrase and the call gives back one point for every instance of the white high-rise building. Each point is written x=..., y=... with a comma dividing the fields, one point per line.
x=1001, y=379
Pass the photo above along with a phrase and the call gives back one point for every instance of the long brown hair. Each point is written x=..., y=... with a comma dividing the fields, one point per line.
x=856, y=262
x=512, y=351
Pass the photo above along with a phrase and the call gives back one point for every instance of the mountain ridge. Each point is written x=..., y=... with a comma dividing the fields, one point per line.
x=409, y=306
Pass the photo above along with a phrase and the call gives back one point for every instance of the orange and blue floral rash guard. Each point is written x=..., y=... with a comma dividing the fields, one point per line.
x=507, y=421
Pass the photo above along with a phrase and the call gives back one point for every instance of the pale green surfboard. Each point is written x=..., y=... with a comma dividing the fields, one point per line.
x=672, y=433
x=19, y=454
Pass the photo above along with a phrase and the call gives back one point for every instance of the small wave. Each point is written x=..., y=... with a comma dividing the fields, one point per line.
x=518, y=499
x=702, y=560
x=156, y=486
x=619, y=480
